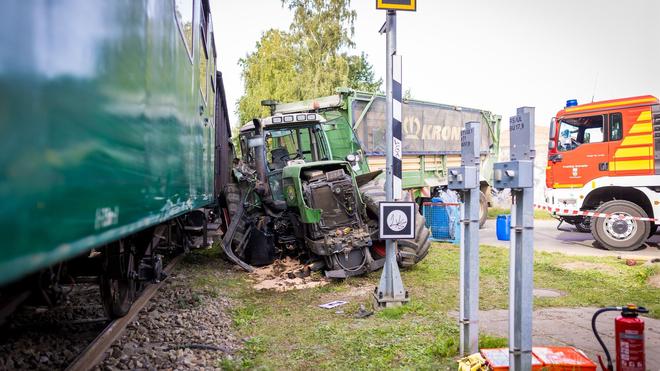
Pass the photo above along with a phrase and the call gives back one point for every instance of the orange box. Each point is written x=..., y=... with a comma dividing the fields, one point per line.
x=498, y=359
x=563, y=359
x=543, y=359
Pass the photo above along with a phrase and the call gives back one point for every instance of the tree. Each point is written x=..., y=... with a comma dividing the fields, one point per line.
x=268, y=73
x=361, y=75
x=310, y=60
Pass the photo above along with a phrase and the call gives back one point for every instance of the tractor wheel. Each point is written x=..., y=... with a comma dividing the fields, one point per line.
x=410, y=251
x=233, y=198
x=483, y=209
x=614, y=233
x=413, y=251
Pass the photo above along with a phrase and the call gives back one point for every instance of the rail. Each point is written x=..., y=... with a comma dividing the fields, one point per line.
x=95, y=352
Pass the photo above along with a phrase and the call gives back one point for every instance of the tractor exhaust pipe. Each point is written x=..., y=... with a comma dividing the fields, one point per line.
x=260, y=159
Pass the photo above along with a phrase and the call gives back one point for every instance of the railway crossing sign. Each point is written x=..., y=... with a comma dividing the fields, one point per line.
x=397, y=220
x=410, y=5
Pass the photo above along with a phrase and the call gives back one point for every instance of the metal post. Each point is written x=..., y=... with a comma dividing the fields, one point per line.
x=466, y=180
x=390, y=291
x=522, y=254
x=518, y=174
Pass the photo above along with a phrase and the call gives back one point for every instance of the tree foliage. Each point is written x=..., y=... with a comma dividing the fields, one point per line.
x=310, y=60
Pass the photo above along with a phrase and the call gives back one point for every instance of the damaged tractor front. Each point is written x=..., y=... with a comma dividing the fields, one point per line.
x=291, y=198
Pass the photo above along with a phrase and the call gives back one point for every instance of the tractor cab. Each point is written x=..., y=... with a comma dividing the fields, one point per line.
x=282, y=141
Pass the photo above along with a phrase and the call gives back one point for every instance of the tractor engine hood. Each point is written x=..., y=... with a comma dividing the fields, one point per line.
x=295, y=175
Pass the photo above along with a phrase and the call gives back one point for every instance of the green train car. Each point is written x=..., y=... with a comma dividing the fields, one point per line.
x=114, y=128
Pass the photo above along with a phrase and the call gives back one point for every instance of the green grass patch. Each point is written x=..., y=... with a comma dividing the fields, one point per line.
x=493, y=212
x=289, y=331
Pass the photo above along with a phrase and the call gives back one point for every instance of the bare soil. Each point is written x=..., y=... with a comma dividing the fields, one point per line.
x=574, y=266
x=284, y=275
x=654, y=281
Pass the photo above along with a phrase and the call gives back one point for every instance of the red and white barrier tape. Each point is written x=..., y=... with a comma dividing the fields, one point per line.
x=574, y=212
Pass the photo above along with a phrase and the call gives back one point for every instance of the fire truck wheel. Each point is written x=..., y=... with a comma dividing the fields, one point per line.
x=615, y=233
x=483, y=209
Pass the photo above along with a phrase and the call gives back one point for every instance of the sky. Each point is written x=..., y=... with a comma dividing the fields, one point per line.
x=489, y=54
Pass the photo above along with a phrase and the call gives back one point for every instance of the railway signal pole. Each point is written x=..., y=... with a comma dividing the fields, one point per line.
x=518, y=175
x=390, y=291
x=465, y=179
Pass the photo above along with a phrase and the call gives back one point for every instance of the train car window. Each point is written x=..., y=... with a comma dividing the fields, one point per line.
x=203, y=65
x=616, y=126
x=183, y=13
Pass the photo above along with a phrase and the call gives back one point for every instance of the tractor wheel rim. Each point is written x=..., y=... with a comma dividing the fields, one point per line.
x=620, y=226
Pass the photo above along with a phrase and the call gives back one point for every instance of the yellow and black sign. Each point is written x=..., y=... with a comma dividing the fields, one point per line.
x=397, y=4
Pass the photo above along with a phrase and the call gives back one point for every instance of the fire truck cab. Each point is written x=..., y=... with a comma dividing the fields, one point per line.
x=605, y=156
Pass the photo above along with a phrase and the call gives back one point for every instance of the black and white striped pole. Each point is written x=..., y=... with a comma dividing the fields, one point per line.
x=390, y=291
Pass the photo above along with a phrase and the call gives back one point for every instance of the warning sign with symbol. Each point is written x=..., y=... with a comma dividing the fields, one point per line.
x=397, y=220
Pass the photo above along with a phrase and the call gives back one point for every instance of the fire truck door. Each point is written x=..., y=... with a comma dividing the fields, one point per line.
x=583, y=152
x=632, y=153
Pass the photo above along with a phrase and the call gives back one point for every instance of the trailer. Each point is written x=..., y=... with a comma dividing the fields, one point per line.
x=356, y=125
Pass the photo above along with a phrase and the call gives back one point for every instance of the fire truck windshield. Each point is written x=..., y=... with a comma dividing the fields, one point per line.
x=573, y=132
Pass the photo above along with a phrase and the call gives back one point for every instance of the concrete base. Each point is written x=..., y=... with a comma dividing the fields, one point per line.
x=381, y=303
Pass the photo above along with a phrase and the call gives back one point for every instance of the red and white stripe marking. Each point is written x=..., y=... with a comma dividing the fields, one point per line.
x=574, y=212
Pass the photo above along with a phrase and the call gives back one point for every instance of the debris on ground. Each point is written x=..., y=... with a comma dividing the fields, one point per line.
x=547, y=293
x=333, y=304
x=286, y=274
x=363, y=312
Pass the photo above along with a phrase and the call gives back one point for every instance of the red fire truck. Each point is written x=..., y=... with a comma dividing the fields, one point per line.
x=605, y=157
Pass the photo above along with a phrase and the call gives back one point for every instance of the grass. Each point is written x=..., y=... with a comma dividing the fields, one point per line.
x=289, y=331
x=493, y=212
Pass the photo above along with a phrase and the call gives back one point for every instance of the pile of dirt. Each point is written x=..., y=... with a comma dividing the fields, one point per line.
x=286, y=274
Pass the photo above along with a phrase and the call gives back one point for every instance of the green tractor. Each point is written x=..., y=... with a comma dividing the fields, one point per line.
x=289, y=198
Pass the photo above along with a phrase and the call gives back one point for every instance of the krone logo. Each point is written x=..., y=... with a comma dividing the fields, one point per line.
x=411, y=127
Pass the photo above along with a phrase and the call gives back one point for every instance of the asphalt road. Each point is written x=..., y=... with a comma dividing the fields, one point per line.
x=569, y=241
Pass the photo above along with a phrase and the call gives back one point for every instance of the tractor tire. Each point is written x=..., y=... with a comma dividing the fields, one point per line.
x=620, y=235
x=232, y=198
x=413, y=251
x=483, y=209
x=410, y=251
x=373, y=193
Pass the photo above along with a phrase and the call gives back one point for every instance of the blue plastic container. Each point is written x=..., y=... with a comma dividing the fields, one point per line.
x=503, y=227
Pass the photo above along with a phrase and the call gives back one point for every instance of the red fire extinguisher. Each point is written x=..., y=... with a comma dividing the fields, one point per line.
x=629, y=338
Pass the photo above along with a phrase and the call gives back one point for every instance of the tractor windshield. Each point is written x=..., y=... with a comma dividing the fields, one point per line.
x=300, y=143
x=573, y=132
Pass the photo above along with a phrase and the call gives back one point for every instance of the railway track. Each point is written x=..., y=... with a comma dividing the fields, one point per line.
x=94, y=353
